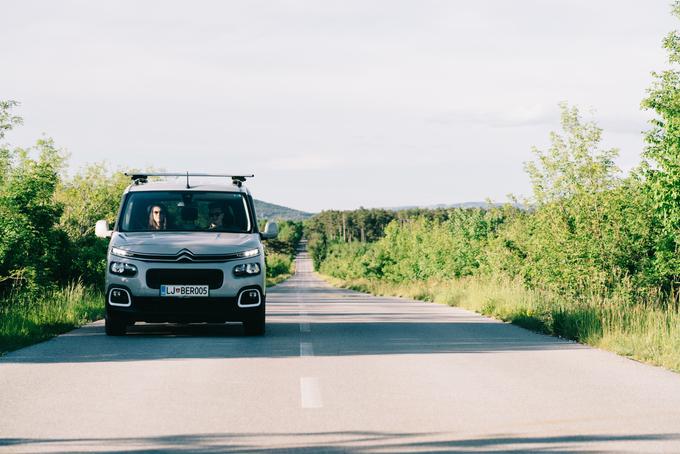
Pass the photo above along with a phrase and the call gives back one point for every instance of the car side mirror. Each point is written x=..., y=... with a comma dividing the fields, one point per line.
x=271, y=230
x=101, y=229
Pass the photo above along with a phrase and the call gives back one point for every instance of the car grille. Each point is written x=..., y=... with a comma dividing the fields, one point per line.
x=185, y=256
x=156, y=277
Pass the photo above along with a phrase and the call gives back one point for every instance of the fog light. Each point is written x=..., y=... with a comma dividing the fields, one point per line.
x=119, y=297
x=249, y=298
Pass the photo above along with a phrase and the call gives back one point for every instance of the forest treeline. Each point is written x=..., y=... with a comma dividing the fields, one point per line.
x=594, y=256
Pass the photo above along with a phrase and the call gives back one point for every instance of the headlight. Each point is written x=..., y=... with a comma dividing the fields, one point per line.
x=120, y=252
x=122, y=269
x=249, y=253
x=247, y=269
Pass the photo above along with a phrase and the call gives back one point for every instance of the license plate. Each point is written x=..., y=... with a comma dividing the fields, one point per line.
x=185, y=291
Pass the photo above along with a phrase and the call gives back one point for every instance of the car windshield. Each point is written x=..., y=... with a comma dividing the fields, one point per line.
x=180, y=211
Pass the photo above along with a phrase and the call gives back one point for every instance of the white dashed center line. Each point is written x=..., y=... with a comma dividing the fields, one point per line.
x=306, y=349
x=310, y=389
x=310, y=393
x=302, y=312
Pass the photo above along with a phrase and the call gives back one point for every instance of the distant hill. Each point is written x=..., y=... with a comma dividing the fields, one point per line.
x=455, y=205
x=265, y=210
x=270, y=211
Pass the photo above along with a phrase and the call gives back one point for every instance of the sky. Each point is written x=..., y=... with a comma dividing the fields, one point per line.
x=331, y=104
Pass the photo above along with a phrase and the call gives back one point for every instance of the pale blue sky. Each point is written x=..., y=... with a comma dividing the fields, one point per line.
x=331, y=104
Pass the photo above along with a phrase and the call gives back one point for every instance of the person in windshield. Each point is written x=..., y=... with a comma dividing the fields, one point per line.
x=216, y=216
x=221, y=218
x=158, y=219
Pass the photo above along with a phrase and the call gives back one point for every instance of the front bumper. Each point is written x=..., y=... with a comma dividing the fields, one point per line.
x=156, y=309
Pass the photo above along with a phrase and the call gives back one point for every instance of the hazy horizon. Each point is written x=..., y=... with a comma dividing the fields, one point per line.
x=333, y=105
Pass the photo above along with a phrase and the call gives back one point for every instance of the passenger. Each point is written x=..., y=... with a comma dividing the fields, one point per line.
x=158, y=219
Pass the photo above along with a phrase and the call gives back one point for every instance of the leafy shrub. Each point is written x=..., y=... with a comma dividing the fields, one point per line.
x=32, y=248
x=278, y=264
x=90, y=195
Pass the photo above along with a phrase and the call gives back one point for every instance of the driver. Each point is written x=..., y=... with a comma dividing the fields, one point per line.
x=216, y=216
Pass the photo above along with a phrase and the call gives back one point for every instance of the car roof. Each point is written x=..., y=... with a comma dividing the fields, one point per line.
x=182, y=186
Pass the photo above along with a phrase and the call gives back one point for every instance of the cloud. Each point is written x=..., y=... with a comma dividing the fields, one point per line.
x=520, y=116
x=304, y=162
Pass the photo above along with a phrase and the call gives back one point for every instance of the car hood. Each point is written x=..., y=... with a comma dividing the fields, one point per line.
x=195, y=242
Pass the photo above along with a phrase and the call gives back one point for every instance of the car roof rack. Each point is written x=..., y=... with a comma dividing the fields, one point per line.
x=141, y=178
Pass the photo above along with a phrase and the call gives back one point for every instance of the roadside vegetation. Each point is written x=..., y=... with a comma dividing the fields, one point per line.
x=51, y=264
x=280, y=252
x=27, y=317
x=594, y=256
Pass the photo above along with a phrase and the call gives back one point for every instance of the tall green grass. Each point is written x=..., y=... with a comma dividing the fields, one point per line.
x=30, y=317
x=645, y=330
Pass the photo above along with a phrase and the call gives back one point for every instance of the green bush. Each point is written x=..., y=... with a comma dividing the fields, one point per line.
x=90, y=195
x=290, y=234
x=278, y=264
x=33, y=250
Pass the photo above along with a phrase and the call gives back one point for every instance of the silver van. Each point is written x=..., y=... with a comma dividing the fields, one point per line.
x=185, y=253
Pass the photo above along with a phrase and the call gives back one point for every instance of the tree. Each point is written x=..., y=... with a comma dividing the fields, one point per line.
x=7, y=120
x=585, y=226
x=92, y=194
x=32, y=249
x=574, y=164
x=662, y=156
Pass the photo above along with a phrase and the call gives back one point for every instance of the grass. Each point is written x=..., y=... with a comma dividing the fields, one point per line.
x=272, y=281
x=26, y=319
x=280, y=273
x=642, y=331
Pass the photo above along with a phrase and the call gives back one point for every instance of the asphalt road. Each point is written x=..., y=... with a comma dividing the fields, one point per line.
x=337, y=371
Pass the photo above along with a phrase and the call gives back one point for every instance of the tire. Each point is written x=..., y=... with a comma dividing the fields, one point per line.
x=254, y=326
x=115, y=326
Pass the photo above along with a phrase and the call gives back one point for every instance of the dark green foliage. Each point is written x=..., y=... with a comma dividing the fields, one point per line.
x=360, y=225
x=589, y=228
x=32, y=248
x=290, y=234
x=334, y=226
x=349, y=260
x=278, y=264
x=89, y=196
x=662, y=160
x=441, y=244
x=280, y=251
x=317, y=245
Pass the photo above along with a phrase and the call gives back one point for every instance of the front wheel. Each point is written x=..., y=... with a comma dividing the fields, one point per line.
x=114, y=325
x=254, y=327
